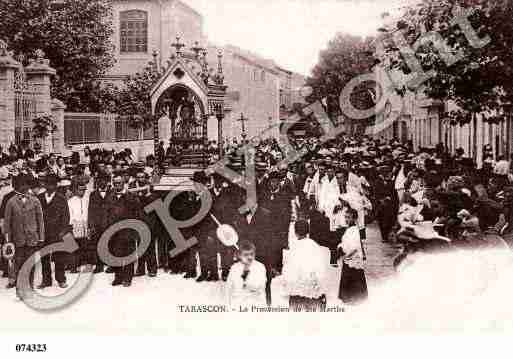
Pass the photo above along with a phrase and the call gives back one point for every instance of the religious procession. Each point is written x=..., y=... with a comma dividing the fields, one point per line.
x=162, y=159
x=310, y=215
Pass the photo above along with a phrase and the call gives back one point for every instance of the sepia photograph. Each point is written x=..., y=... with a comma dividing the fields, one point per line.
x=200, y=168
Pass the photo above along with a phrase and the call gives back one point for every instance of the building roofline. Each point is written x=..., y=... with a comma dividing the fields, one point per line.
x=177, y=2
x=256, y=63
x=284, y=70
x=190, y=8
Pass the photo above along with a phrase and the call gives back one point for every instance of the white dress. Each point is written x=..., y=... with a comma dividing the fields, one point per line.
x=248, y=292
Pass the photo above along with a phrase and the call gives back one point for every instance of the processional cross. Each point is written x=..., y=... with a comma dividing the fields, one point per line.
x=243, y=121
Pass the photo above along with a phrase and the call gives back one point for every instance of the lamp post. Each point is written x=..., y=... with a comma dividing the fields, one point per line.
x=243, y=121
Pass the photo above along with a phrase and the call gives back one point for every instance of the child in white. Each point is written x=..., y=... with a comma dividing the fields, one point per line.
x=245, y=286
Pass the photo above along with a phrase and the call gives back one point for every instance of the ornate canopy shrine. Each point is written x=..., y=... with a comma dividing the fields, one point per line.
x=186, y=95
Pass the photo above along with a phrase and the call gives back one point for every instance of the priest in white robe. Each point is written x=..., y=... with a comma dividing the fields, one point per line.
x=305, y=272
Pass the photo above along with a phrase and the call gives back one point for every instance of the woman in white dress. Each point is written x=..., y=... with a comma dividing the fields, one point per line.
x=245, y=286
x=353, y=284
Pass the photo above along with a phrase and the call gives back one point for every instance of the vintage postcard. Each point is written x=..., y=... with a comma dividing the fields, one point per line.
x=242, y=167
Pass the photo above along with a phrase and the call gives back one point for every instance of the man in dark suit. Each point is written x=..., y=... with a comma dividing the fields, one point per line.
x=123, y=205
x=255, y=226
x=56, y=219
x=384, y=194
x=184, y=207
x=23, y=226
x=162, y=238
x=98, y=220
x=304, y=182
x=140, y=187
x=277, y=199
x=7, y=192
x=205, y=231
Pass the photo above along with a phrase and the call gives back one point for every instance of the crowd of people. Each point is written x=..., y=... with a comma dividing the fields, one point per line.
x=310, y=214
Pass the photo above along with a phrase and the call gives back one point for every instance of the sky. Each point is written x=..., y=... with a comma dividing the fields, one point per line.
x=291, y=32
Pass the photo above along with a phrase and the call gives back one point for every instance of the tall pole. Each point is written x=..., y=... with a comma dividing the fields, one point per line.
x=243, y=120
x=220, y=142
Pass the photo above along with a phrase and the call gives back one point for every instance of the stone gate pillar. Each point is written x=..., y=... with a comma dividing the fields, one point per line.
x=39, y=74
x=220, y=141
x=8, y=66
x=58, y=116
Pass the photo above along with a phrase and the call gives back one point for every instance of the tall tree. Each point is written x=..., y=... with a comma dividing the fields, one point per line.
x=75, y=36
x=346, y=57
x=482, y=77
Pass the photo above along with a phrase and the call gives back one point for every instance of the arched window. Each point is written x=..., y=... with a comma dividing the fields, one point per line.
x=133, y=31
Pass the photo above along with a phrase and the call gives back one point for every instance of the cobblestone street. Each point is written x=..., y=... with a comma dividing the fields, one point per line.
x=380, y=255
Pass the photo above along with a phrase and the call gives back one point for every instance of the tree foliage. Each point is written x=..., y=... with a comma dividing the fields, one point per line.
x=133, y=100
x=75, y=36
x=44, y=125
x=345, y=58
x=482, y=79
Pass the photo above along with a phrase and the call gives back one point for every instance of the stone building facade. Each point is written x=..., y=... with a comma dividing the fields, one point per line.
x=253, y=93
x=143, y=26
x=256, y=86
x=423, y=121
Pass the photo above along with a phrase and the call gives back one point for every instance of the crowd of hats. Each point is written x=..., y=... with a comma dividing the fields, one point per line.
x=451, y=175
x=32, y=167
x=364, y=154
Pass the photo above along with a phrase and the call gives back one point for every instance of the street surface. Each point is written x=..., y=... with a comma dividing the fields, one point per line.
x=103, y=306
x=463, y=290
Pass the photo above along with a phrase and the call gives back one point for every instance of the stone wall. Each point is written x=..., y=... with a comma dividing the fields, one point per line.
x=140, y=149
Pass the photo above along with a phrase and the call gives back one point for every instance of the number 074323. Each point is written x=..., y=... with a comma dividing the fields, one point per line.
x=36, y=348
